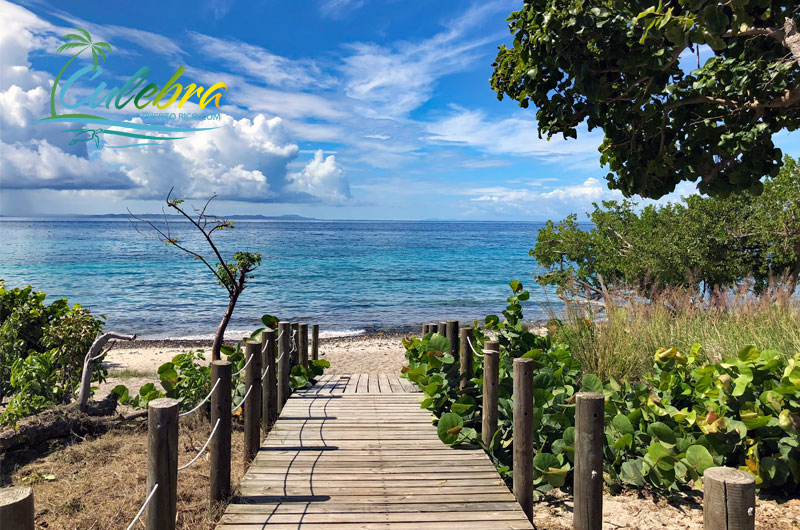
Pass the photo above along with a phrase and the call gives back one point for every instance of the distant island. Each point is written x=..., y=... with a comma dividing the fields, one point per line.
x=173, y=216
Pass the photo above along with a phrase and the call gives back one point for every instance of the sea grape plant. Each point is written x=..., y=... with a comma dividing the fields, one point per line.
x=662, y=431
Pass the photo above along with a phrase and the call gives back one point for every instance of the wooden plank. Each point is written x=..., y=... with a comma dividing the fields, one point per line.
x=357, y=452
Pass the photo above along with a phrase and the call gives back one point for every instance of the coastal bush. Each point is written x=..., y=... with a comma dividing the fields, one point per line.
x=662, y=431
x=704, y=243
x=41, y=350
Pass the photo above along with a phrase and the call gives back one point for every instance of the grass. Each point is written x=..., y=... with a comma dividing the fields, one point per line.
x=99, y=482
x=132, y=373
x=622, y=343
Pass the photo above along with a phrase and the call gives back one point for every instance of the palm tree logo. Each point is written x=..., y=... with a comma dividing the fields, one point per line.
x=82, y=43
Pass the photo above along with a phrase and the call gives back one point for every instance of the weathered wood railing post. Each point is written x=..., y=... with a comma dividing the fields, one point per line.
x=285, y=332
x=588, y=510
x=162, y=463
x=315, y=342
x=295, y=357
x=424, y=330
x=269, y=390
x=452, y=334
x=465, y=357
x=442, y=329
x=220, y=448
x=491, y=374
x=523, y=434
x=16, y=508
x=252, y=407
x=432, y=328
x=302, y=345
x=729, y=499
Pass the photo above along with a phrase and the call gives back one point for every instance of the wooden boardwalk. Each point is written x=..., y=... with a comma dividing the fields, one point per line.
x=357, y=452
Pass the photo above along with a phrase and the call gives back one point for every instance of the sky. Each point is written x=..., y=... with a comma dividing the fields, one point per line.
x=335, y=109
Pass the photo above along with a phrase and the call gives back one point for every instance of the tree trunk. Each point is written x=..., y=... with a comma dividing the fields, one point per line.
x=794, y=275
x=59, y=422
x=220, y=335
x=92, y=356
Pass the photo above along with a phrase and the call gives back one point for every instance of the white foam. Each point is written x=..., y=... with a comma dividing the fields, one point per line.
x=237, y=334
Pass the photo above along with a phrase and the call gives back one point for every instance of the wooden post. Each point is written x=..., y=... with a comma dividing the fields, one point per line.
x=729, y=499
x=491, y=373
x=315, y=342
x=220, y=448
x=588, y=510
x=16, y=508
x=442, y=329
x=285, y=331
x=432, y=328
x=465, y=360
x=252, y=407
x=162, y=463
x=302, y=345
x=452, y=334
x=424, y=330
x=269, y=390
x=523, y=435
x=296, y=341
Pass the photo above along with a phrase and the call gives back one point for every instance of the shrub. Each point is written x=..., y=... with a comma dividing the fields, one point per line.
x=42, y=348
x=662, y=431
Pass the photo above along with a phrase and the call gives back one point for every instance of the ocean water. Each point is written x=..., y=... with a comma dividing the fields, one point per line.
x=348, y=276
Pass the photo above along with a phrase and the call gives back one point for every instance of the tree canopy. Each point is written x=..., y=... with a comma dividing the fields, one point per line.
x=710, y=241
x=615, y=65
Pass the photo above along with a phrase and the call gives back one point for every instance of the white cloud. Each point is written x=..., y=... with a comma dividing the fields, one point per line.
x=397, y=79
x=20, y=32
x=40, y=165
x=262, y=65
x=322, y=178
x=240, y=160
x=512, y=136
x=337, y=8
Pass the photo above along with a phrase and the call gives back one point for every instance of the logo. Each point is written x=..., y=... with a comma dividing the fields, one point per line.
x=163, y=103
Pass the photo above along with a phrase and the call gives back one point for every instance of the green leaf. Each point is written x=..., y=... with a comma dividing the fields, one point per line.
x=662, y=433
x=449, y=427
x=699, y=459
x=591, y=383
x=622, y=424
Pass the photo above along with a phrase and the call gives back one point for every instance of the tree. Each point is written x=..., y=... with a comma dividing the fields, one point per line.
x=232, y=275
x=615, y=65
x=708, y=242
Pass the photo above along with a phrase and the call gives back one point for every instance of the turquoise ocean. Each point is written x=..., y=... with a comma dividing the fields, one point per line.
x=348, y=276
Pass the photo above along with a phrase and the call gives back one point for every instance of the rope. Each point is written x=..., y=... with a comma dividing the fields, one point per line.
x=203, y=450
x=243, y=367
x=480, y=354
x=265, y=373
x=182, y=414
x=141, y=510
x=237, y=407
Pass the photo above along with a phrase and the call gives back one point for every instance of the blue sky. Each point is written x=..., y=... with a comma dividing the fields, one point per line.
x=350, y=109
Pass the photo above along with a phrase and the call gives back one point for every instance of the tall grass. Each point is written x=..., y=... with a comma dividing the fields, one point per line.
x=622, y=340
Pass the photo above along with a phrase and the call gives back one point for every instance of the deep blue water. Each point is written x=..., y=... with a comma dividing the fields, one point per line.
x=344, y=275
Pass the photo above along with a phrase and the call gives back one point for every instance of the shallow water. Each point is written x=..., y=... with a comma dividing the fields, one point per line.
x=348, y=276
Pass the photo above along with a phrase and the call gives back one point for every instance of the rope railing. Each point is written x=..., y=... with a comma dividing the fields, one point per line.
x=265, y=373
x=141, y=510
x=182, y=414
x=243, y=367
x=476, y=351
x=237, y=407
x=203, y=450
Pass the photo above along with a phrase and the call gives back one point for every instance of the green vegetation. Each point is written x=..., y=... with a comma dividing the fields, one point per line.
x=703, y=242
x=616, y=66
x=42, y=348
x=621, y=343
x=187, y=377
x=662, y=431
x=232, y=275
